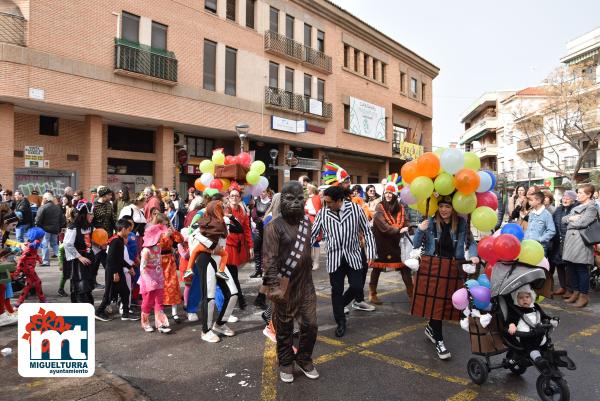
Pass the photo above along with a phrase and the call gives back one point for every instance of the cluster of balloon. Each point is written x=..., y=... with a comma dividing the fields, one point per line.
x=508, y=244
x=474, y=299
x=255, y=181
x=448, y=171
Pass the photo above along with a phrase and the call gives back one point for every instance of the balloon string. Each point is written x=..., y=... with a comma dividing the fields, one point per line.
x=427, y=209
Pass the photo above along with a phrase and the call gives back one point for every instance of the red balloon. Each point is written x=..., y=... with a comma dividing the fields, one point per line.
x=485, y=248
x=488, y=270
x=244, y=159
x=229, y=160
x=487, y=199
x=216, y=184
x=507, y=247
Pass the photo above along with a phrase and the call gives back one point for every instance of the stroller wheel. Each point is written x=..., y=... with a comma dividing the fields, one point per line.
x=552, y=388
x=518, y=369
x=477, y=370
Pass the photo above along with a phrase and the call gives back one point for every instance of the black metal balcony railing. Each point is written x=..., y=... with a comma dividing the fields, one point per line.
x=12, y=29
x=284, y=46
x=395, y=147
x=144, y=60
x=299, y=104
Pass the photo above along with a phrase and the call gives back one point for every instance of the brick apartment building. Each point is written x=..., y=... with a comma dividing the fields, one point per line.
x=119, y=91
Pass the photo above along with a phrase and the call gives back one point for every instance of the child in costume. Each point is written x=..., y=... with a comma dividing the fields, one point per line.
x=64, y=268
x=523, y=317
x=26, y=265
x=152, y=280
x=213, y=229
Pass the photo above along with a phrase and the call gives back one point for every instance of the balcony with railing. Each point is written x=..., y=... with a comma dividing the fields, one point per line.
x=12, y=29
x=479, y=129
x=299, y=104
x=283, y=46
x=530, y=144
x=145, y=62
x=486, y=151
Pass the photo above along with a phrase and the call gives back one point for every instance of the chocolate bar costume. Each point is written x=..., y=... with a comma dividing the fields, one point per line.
x=288, y=276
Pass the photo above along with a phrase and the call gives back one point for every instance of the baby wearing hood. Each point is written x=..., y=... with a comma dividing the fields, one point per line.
x=210, y=237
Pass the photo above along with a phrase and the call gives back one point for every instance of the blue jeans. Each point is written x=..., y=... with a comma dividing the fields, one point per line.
x=51, y=239
x=579, y=277
x=20, y=232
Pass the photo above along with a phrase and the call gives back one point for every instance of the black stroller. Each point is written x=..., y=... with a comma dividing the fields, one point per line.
x=495, y=340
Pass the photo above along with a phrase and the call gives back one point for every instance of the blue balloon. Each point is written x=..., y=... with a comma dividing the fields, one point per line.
x=482, y=305
x=484, y=281
x=472, y=283
x=513, y=229
x=493, y=179
x=246, y=199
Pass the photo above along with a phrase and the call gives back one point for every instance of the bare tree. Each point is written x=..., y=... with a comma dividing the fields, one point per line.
x=568, y=118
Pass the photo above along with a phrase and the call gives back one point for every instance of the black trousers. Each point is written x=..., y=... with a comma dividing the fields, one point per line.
x=364, y=271
x=339, y=298
x=112, y=289
x=436, y=327
x=99, y=258
x=233, y=272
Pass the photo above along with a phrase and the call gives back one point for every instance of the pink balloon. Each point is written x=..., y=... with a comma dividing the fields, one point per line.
x=460, y=299
x=487, y=199
x=407, y=197
x=544, y=264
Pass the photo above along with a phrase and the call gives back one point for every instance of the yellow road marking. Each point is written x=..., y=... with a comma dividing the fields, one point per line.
x=390, y=335
x=414, y=367
x=590, y=331
x=331, y=341
x=516, y=397
x=323, y=295
x=330, y=357
x=465, y=395
x=593, y=351
x=565, y=310
x=268, y=390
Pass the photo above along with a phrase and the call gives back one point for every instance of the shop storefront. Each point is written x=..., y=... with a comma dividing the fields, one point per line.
x=41, y=180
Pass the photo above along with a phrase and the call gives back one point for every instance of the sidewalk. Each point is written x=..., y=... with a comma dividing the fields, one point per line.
x=103, y=386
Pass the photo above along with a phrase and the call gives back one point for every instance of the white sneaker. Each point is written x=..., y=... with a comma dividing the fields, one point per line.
x=346, y=310
x=148, y=329
x=6, y=319
x=164, y=329
x=192, y=317
x=363, y=306
x=286, y=377
x=223, y=329
x=311, y=374
x=210, y=337
x=232, y=319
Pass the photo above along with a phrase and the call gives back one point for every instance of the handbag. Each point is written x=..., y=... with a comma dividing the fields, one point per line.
x=591, y=234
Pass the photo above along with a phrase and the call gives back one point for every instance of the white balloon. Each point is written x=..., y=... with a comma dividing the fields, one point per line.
x=263, y=183
x=452, y=160
x=206, y=178
x=485, y=182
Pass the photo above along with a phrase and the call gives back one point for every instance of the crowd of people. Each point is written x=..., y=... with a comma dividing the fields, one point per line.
x=163, y=254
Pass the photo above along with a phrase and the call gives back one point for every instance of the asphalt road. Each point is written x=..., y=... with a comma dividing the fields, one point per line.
x=384, y=355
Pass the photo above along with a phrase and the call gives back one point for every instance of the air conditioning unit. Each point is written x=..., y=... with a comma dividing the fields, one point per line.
x=179, y=139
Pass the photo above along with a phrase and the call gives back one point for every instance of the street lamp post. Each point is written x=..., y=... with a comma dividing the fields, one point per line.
x=242, y=131
x=530, y=164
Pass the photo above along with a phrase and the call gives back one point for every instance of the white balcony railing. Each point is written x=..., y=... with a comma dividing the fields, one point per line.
x=486, y=151
x=488, y=123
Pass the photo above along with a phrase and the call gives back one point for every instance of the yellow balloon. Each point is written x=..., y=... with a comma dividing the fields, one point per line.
x=206, y=166
x=226, y=183
x=218, y=158
x=422, y=206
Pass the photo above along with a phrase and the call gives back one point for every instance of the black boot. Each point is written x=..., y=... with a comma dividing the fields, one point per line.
x=260, y=301
x=242, y=302
x=257, y=265
x=340, y=329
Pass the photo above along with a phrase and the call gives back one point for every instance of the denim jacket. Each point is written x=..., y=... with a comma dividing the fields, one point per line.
x=428, y=237
x=540, y=226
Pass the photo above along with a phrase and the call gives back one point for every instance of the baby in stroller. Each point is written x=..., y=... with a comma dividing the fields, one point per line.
x=527, y=322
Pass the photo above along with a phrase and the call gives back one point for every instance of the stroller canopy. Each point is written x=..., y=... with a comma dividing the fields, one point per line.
x=507, y=277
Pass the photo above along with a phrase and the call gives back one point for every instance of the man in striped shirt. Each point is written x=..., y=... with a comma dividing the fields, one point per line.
x=340, y=222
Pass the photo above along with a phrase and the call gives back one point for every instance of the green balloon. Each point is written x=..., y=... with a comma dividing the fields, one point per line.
x=444, y=184
x=421, y=187
x=484, y=218
x=252, y=177
x=464, y=204
x=532, y=252
x=472, y=161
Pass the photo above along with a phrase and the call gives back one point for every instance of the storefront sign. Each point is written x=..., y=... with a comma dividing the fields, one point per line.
x=34, y=156
x=134, y=183
x=410, y=150
x=549, y=183
x=367, y=119
x=315, y=128
x=315, y=107
x=36, y=94
x=28, y=180
x=287, y=125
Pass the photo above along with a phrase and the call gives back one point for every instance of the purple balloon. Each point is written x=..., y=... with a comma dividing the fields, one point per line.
x=481, y=294
x=460, y=299
x=407, y=197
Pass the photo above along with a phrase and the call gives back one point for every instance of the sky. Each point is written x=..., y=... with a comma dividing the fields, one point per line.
x=479, y=45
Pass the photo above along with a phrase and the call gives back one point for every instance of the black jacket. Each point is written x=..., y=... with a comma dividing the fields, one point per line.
x=24, y=207
x=50, y=218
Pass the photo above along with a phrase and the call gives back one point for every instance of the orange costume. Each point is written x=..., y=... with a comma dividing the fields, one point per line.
x=172, y=294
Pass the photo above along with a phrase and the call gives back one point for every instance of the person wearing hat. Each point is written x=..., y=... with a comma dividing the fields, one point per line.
x=444, y=238
x=104, y=217
x=568, y=202
x=78, y=253
x=390, y=223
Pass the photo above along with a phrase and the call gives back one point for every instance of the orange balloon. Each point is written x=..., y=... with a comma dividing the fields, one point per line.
x=467, y=181
x=198, y=185
x=428, y=165
x=409, y=171
x=99, y=236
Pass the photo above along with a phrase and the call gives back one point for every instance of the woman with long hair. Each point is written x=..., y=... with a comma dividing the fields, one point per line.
x=390, y=223
x=372, y=198
x=79, y=255
x=444, y=237
x=122, y=200
x=239, y=241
